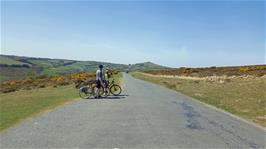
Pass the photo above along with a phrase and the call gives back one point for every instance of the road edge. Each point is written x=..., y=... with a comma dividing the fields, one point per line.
x=38, y=114
x=213, y=107
x=223, y=111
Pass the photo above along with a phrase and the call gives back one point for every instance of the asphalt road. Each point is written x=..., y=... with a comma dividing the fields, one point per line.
x=146, y=116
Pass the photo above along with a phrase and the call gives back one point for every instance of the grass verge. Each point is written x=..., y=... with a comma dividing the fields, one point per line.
x=119, y=78
x=19, y=105
x=243, y=97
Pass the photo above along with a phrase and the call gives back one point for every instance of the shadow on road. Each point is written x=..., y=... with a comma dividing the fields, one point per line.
x=113, y=97
x=122, y=95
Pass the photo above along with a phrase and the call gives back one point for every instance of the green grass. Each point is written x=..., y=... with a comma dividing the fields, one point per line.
x=243, y=97
x=145, y=66
x=9, y=61
x=17, y=106
x=51, y=67
x=63, y=69
x=14, y=73
x=41, y=63
x=119, y=78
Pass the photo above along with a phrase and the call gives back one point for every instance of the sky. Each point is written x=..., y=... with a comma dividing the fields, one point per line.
x=170, y=33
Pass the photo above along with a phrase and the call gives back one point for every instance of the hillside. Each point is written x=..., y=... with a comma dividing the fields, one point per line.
x=145, y=66
x=19, y=67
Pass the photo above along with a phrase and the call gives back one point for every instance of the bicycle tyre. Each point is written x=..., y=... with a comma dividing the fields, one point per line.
x=101, y=91
x=84, y=92
x=115, y=90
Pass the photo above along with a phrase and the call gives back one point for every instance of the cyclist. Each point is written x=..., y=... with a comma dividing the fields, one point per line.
x=108, y=74
x=100, y=79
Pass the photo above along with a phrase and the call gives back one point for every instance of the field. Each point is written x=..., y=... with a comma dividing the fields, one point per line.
x=119, y=79
x=19, y=105
x=33, y=85
x=22, y=103
x=16, y=73
x=45, y=81
x=20, y=67
x=9, y=61
x=255, y=70
x=243, y=96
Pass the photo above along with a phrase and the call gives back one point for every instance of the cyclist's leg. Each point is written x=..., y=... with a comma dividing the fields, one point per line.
x=105, y=89
x=103, y=85
x=98, y=86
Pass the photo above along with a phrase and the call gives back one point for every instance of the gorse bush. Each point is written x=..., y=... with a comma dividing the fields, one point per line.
x=252, y=68
x=42, y=81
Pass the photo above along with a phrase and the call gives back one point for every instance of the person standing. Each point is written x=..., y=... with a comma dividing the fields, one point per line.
x=100, y=78
x=108, y=74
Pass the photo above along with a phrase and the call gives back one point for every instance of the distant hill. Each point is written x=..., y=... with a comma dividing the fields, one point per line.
x=145, y=66
x=19, y=67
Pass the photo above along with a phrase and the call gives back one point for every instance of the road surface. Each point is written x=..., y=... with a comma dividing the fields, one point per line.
x=146, y=116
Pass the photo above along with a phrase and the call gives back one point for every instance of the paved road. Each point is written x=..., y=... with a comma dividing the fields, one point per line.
x=147, y=116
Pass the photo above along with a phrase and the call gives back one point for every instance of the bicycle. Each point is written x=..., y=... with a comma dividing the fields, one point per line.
x=111, y=87
x=89, y=90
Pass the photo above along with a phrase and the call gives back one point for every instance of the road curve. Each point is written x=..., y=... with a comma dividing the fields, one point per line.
x=146, y=116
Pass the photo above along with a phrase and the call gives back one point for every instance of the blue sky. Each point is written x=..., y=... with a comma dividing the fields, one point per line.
x=173, y=33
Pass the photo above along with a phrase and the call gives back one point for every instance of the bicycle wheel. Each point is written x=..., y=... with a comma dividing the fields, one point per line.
x=85, y=92
x=101, y=91
x=115, y=89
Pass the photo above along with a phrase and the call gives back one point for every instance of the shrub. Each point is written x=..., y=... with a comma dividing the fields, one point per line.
x=196, y=81
x=41, y=86
x=247, y=68
x=7, y=90
x=42, y=77
x=227, y=80
x=260, y=74
x=44, y=81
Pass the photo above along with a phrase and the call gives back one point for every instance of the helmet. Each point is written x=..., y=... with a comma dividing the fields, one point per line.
x=100, y=66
